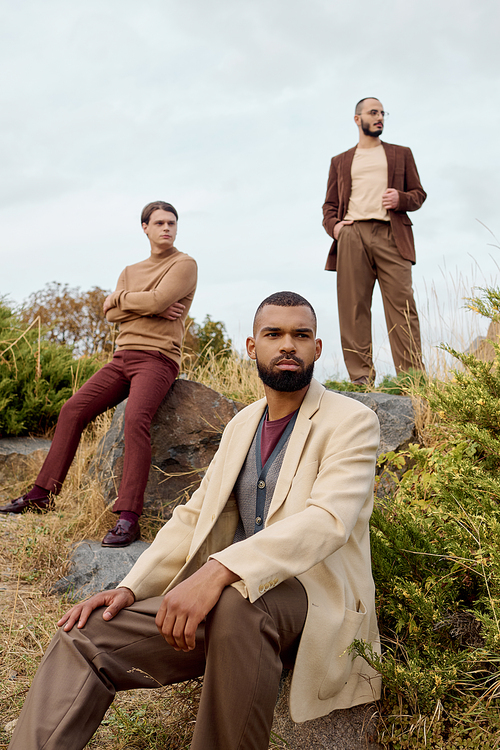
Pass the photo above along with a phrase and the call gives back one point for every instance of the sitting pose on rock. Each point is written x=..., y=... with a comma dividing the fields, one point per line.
x=150, y=304
x=267, y=566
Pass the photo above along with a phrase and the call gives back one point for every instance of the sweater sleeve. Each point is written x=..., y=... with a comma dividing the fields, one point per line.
x=177, y=283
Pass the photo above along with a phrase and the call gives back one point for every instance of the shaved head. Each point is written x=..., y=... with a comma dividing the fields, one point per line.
x=284, y=299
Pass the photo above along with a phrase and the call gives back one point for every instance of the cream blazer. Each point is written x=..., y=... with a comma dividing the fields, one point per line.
x=316, y=529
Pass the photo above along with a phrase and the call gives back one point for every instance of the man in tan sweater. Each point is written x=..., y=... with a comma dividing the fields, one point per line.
x=150, y=304
x=370, y=189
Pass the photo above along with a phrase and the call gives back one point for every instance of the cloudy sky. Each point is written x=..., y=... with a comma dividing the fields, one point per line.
x=231, y=110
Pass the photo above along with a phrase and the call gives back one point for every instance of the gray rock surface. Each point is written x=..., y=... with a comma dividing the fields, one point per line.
x=185, y=434
x=396, y=417
x=17, y=454
x=95, y=568
x=349, y=729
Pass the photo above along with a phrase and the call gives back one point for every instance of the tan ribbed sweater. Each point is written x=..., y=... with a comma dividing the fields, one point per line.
x=143, y=293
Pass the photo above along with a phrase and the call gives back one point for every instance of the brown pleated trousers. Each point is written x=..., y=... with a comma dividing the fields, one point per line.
x=241, y=649
x=367, y=253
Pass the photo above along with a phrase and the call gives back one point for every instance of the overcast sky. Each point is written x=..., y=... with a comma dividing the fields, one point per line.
x=231, y=110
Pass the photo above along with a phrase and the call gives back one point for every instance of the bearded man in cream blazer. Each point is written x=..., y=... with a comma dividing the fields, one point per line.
x=267, y=566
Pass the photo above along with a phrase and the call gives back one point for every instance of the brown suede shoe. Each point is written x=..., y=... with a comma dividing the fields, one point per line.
x=23, y=505
x=123, y=534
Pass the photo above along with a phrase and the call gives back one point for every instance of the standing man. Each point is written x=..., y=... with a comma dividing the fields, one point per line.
x=370, y=189
x=267, y=566
x=151, y=302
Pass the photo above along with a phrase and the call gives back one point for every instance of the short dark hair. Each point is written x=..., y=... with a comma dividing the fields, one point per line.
x=155, y=206
x=285, y=299
x=359, y=105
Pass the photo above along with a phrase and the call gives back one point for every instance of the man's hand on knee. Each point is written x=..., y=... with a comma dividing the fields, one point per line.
x=183, y=608
x=113, y=600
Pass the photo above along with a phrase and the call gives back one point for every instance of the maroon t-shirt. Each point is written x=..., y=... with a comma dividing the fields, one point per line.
x=270, y=435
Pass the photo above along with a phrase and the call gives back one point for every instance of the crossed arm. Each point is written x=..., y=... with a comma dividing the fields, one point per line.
x=181, y=610
x=172, y=312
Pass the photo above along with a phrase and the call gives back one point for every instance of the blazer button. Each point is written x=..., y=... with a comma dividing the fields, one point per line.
x=258, y=520
x=261, y=484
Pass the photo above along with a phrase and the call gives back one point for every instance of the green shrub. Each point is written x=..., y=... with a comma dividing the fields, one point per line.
x=436, y=562
x=36, y=377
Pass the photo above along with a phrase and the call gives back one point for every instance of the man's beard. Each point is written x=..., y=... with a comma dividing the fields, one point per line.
x=285, y=381
x=366, y=130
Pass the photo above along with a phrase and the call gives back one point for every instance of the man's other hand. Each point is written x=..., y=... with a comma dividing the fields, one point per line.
x=183, y=608
x=338, y=227
x=173, y=312
x=113, y=600
x=390, y=199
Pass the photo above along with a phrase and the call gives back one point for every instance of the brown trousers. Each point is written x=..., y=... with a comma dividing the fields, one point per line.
x=241, y=649
x=367, y=253
x=144, y=377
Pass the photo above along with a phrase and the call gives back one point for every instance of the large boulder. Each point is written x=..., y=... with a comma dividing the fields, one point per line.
x=347, y=729
x=396, y=417
x=185, y=434
x=94, y=568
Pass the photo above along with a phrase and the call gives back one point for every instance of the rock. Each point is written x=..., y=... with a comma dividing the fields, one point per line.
x=17, y=457
x=482, y=346
x=185, y=434
x=348, y=729
x=10, y=726
x=95, y=568
x=396, y=417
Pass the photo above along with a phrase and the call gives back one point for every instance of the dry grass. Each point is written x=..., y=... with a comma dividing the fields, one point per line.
x=34, y=553
x=234, y=376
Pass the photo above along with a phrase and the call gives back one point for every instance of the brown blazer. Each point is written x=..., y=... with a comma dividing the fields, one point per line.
x=401, y=174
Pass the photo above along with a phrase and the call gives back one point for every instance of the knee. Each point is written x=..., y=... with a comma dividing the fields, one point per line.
x=234, y=620
x=71, y=412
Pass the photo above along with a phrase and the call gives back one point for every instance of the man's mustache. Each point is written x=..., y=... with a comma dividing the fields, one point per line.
x=287, y=358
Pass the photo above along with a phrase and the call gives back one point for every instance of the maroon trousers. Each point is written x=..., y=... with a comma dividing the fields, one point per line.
x=241, y=649
x=144, y=377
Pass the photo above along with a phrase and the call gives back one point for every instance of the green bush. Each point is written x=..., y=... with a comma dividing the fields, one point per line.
x=436, y=562
x=36, y=377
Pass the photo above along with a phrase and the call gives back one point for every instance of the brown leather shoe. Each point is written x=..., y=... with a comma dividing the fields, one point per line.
x=23, y=505
x=123, y=534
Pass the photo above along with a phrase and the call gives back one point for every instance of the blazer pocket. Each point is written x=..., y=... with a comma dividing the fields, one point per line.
x=341, y=660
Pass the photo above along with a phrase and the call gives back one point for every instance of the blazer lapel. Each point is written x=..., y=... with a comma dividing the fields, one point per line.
x=295, y=448
x=236, y=451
